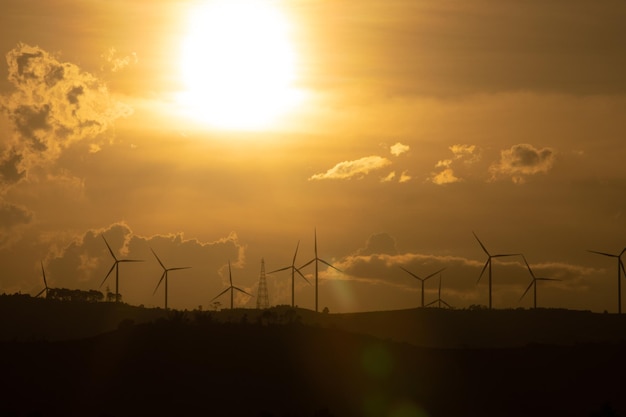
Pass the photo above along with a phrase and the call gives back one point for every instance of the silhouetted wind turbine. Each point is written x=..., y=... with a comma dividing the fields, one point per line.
x=488, y=263
x=293, y=275
x=439, y=301
x=317, y=260
x=422, y=280
x=232, y=289
x=115, y=266
x=534, y=283
x=164, y=275
x=620, y=268
x=45, y=283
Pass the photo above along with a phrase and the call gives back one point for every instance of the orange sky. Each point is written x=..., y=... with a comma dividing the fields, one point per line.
x=418, y=123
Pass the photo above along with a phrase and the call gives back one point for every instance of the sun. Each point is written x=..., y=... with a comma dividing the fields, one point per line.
x=238, y=64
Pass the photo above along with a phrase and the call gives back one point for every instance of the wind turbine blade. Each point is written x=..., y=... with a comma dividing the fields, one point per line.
x=622, y=264
x=157, y=258
x=40, y=292
x=308, y=263
x=528, y=266
x=108, y=246
x=295, y=254
x=131, y=260
x=528, y=288
x=622, y=252
x=281, y=269
x=502, y=255
x=433, y=274
x=245, y=292
x=483, y=271
x=431, y=303
x=109, y=273
x=222, y=293
x=178, y=268
x=315, y=232
x=161, y=280
x=603, y=253
x=230, y=275
x=548, y=279
x=43, y=272
x=334, y=267
x=481, y=244
x=410, y=273
x=300, y=273
x=448, y=305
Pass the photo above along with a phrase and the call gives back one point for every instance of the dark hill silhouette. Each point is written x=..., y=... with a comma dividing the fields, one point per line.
x=196, y=367
x=26, y=318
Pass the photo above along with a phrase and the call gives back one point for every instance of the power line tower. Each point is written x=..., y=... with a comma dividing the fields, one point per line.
x=262, y=299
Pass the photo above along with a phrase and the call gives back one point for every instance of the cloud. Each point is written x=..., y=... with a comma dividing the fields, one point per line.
x=444, y=177
x=380, y=243
x=468, y=154
x=389, y=177
x=84, y=262
x=12, y=217
x=522, y=160
x=54, y=104
x=398, y=149
x=357, y=168
x=404, y=177
x=115, y=62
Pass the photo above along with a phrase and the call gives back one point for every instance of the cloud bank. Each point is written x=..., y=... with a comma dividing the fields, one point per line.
x=521, y=161
x=54, y=104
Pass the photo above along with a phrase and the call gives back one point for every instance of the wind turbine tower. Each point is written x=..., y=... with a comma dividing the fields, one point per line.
x=439, y=300
x=317, y=260
x=231, y=288
x=422, y=280
x=488, y=264
x=116, y=266
x=533, y=283
x=262, y=298
x=293, y=270
x=164, y=275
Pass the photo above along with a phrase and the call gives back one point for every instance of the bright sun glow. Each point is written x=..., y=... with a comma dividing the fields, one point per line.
x=238, y=64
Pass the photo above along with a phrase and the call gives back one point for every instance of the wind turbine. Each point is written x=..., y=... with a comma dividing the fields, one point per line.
x=164, y=275
x=488, y=264
x=232, y=289
x=317, y=260
x=115, y=266
x=533, y=283
x=620, y=268
x=422, y=280
x=439, y=301
x=45, y=283
x=293, y=274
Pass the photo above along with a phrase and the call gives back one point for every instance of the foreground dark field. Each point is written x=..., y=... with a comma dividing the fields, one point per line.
x=192, y=365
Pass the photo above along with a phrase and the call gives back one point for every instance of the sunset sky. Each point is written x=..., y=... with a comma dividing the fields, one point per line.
x=214, y=130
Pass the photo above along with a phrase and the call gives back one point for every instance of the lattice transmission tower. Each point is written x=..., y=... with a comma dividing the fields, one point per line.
x=262, y=299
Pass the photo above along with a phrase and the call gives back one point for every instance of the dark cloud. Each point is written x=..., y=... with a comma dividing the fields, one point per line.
x=85, y=261
x=53, y=105
x=12, y=218
x=9, y=171
x=521, y=161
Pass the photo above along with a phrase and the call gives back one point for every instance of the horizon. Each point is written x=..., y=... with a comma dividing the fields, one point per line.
x=214, y=132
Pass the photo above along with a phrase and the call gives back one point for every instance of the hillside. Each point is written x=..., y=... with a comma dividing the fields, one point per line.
x=285, y=362
x=203, y=368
